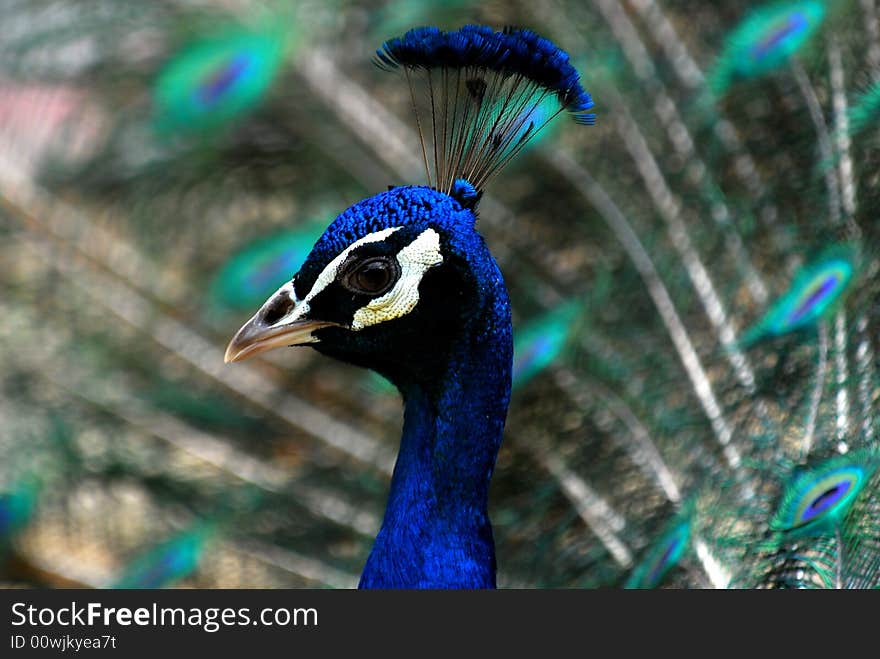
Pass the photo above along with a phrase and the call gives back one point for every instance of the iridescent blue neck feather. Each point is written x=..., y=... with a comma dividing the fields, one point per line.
x=436, y=532
x=451, y=358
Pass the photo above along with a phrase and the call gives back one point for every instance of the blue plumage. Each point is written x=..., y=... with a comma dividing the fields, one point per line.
x=480, y=96
x=694, y=384
x=451, y=358
x=402, y=283
x=511, y=52
x=436, y=531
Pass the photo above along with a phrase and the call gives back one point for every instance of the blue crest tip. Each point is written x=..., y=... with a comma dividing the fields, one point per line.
x=513, y=51
x=464, y=192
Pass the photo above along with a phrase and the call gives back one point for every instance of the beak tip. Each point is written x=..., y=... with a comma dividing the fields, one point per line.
x=230, y=355
x=256, y=337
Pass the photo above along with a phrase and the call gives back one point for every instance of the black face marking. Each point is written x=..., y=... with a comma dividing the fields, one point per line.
x=336, y=304
x=389, y=347
x=339, y=301
x=388, y=247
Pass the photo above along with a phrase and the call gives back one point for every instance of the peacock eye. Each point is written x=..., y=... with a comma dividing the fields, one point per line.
x=818, y=499
x=373, y=276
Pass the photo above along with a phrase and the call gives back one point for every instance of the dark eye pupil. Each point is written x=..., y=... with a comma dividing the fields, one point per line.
x=373, y=276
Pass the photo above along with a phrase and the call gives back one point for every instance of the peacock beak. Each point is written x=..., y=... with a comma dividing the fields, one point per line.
x=281, y=321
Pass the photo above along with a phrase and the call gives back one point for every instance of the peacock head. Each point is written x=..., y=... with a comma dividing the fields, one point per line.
x=399, y=278
x=390, y=285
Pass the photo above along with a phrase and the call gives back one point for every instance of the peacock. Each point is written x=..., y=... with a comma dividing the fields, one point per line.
x=634, y=350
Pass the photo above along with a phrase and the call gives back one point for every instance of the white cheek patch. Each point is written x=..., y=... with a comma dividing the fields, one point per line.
x=328, y=274
x=415, y=260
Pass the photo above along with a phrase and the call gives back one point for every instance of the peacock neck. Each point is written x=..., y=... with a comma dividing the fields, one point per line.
x=436, y=531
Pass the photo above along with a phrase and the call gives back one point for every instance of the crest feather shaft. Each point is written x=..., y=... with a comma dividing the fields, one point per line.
x=479, y=96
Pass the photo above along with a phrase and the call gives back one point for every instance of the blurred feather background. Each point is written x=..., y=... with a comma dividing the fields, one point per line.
x=165, y=166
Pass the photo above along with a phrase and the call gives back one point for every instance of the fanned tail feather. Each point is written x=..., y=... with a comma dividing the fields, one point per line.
x=695, y=312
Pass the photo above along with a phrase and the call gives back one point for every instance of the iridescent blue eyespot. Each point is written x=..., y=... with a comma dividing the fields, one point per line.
x=789, y=28
x=257, y=270
x=217, y=78
x=534, y=353
x=816, y=500
x=817, y=295
x=218, y=82
x=826, y=500
x=812, y=295
x=766, y=39
x=539, y=343
x=662, y=557
x=171, y=561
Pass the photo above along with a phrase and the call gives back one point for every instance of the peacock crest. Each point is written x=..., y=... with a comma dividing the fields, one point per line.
x=481, y=95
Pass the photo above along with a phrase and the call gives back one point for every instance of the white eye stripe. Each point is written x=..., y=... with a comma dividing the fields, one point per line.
x=328, y=274
x=415, y=260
